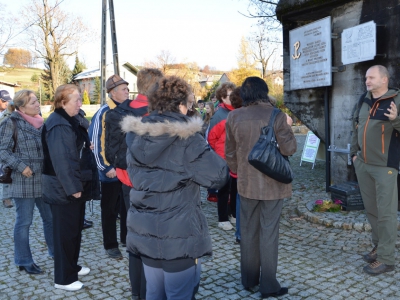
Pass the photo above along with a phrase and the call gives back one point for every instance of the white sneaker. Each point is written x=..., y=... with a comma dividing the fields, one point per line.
x=77, y=285
x=84, y=271
x=232, y=220
x=225, y=225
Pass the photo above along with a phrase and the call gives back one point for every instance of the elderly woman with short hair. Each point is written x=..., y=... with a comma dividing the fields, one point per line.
x=168, y=160
x=69, y=179
x=23, y=152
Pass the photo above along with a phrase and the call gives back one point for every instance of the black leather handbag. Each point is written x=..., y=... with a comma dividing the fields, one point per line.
x=5, y=171
x=266, y=157
x=5, y=174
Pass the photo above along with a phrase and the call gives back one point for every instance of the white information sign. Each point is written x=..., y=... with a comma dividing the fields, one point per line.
x=359, y=43
x=311, y=55
x=310, y=148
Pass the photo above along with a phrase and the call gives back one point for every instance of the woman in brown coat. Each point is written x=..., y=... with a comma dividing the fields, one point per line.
x=261, y=196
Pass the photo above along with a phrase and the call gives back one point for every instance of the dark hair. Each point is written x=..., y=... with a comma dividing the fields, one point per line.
x=200, y=101
x=168, y=93
x=146, y=78
x=253, y=91
x=235, y=98
x=222, y=91
x=63, y=94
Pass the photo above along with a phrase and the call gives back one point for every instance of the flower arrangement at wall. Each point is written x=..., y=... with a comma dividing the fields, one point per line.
x=328, y=205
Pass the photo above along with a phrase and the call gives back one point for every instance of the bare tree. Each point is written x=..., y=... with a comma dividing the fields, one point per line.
x=263, y=48
x=7, y=28
x=54, y=34
x=164, y=60
x=264, y=11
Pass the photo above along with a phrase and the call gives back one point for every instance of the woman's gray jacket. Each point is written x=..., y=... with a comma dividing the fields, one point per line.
x=168, y=160
x=28, y=152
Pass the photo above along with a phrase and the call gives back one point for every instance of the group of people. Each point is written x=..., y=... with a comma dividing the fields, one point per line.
x=53, y=168
x=151, y=155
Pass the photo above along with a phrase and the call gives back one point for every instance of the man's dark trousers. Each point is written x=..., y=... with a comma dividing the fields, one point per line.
x=110, y=207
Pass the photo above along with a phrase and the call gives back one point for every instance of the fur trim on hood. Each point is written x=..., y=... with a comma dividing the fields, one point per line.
x=180, y=129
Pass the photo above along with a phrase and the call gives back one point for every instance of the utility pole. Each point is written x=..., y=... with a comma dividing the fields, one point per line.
x=40, y=93
x=113, y=37
x=103, y=52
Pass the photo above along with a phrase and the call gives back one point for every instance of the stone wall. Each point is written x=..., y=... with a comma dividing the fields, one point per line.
x=347, y=86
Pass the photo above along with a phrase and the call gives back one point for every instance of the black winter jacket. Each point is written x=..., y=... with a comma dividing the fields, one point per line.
x=115, y=145
x=69, y=165
x=168, y=160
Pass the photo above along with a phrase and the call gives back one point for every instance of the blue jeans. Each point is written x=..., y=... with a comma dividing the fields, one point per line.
x=237, y=233
x=23, y=220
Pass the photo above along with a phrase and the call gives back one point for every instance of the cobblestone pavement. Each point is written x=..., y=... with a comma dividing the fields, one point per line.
x=316, y=260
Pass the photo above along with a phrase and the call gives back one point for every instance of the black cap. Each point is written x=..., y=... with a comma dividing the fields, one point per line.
x=5, y=95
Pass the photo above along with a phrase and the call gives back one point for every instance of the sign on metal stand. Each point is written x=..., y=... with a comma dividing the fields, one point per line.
x=310, y=149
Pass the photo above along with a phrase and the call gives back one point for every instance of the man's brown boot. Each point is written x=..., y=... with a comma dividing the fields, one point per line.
x=371, y=256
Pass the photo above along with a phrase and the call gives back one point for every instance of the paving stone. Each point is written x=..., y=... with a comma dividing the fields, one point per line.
x=318, y=257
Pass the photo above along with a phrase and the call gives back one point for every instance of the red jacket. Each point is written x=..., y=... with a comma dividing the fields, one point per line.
x=139, y=102
x=216, y=133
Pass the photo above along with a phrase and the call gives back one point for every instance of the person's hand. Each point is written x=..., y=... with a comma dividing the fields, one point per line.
x=27, y=172
x=354, y=158
x=392, y=111
x=112, y=173
x=91, y=146
x=77, y=195
x=289, y=120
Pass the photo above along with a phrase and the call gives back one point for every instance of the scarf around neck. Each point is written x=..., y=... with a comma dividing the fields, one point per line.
x=36, y=121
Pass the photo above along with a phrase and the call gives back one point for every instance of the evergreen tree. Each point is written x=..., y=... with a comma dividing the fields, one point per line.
x=85, y=98
x=63, y=76
x=78, y=68
x=96, y=91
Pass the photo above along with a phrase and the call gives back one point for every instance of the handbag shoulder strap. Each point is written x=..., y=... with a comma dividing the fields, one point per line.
x=275, y=112
x=15, y=133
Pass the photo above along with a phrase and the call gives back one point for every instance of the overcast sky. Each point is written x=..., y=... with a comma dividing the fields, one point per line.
x=206, y=31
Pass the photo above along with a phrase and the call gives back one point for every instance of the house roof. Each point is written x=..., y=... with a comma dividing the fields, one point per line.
x=97, y=73
x=9, y=84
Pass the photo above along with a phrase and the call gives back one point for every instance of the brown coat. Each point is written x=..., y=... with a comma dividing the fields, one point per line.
x=243, y=128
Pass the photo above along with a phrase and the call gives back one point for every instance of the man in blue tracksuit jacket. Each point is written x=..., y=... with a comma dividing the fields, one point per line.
x=111, y=187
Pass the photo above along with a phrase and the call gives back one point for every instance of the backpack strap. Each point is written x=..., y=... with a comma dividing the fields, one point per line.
x=15, y=133
x=356, y=110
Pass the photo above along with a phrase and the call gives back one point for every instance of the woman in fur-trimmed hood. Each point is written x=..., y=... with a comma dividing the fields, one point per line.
x=168, y=160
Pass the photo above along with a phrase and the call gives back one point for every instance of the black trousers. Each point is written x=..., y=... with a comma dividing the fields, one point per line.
x=67, y=234
x=232, y=196
x=228, y=190
x=259, y=228
x=136, y=271
x=111, y=203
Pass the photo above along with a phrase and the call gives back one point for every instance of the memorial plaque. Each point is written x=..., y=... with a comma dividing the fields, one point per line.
x=359, y=43
x=311, y=55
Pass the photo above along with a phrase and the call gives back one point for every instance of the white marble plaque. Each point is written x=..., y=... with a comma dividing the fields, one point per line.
x=359, y=43
x=311, y=55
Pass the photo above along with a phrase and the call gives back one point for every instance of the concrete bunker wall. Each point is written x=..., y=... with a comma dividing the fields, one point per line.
x=347, y=86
